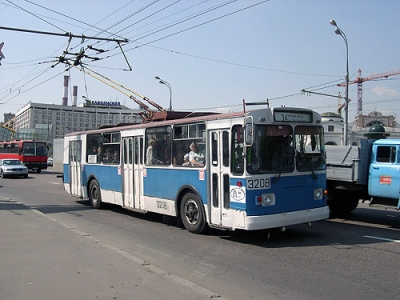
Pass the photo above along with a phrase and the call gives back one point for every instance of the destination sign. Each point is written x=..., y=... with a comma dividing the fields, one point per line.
x=292, y=116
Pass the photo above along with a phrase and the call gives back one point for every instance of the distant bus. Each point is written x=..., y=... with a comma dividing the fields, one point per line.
x=33, y=154
x=244, y=170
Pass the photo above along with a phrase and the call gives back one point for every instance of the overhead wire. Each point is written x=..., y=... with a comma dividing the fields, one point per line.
x=186, y=29
x=41, y=73
x=26, y=76
x=74, y=19
x=169, y=25
x=148, y=16
x=206, y=58
x=34, y=15
x=132, y=14
x=187, y=19
x=28, y=89
x=168, y=16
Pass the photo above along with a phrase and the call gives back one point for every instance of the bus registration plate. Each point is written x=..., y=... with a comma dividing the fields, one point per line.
x=258, y=183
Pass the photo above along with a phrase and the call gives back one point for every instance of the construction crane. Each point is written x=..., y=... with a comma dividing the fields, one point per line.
x=359, y=80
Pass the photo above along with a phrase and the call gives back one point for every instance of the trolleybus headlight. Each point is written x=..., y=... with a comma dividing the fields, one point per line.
x=265, y=200
x=318, y=194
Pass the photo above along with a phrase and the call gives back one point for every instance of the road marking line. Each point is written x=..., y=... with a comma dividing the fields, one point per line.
x=383, y=239
x=54, y=182
x=160, y=272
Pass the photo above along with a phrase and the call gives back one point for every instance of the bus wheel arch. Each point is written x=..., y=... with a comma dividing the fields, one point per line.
x=94, y=194
x=191, y=212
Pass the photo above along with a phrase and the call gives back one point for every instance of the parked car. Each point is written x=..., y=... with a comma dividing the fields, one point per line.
x=10, y=167
x=50, y=161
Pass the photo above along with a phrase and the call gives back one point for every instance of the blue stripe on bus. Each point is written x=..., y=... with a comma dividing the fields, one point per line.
x=107, y=176
x=166, y=182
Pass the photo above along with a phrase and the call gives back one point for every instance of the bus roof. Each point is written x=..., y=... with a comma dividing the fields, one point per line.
x=185, y=118
x=190, y=118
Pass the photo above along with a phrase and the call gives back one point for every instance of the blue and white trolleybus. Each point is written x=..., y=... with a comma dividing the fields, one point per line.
x=244, y=170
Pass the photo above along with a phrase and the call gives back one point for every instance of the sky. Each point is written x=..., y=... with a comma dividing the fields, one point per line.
x=213, y=54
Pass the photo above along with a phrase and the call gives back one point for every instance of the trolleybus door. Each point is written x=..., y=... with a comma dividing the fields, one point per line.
x=132, y=167
x=127, y=171
x=75, y=167
x=219, y=178
x=138, y=171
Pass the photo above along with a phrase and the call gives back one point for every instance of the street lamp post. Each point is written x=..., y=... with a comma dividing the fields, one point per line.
x=48, y=126
x=170, y=90
x=346, y=107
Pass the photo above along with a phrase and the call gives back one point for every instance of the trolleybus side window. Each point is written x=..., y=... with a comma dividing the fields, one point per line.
x=185, y=136
x=111, y=147
x=237, y=144
x=103, y=148
x=128, y=152
x=158, y=146
x=214, y=149
x=225, y=149
x=94, y=148
x=180, y=146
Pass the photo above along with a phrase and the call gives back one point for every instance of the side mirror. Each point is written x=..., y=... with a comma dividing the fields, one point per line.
x=249, y=134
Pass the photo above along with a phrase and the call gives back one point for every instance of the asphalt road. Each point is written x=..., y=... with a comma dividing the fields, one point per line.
x=353, y=256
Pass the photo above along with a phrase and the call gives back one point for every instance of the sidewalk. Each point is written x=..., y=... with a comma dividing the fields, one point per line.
x=43, y=259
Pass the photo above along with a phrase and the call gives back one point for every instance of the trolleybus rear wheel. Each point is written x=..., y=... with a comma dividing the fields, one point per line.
x=192, y=214
x=94, y=194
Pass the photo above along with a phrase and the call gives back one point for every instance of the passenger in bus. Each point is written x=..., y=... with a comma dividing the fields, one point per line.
x=94, y=150
x=167, y=144
x=196, y=159
x=109, y=157
x=182, y=149
x=99, y=155
x=150, y=154
x=115, y=159
x=186, y=162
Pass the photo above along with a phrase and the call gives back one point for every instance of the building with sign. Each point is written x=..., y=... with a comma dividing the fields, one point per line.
x=50, y=121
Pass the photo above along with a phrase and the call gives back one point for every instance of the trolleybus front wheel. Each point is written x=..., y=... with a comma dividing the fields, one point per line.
x=192, y=214
x=94, y=194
